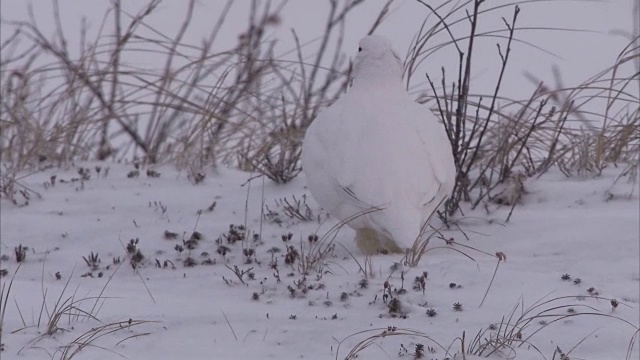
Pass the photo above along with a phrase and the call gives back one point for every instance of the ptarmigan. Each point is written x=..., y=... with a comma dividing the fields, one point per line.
x=377, y=152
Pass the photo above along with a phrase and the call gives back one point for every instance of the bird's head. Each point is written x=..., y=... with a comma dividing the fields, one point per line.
x=376, y=61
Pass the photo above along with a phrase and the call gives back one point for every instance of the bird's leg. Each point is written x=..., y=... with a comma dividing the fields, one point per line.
x=368, y=241
x=389, y=245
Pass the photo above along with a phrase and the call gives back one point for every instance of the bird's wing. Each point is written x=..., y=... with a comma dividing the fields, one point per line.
x=438, y=155
x=325, y=156
x=387, y=158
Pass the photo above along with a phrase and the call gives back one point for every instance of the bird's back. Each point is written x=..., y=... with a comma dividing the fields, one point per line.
x=380, y=151
x=376, y=149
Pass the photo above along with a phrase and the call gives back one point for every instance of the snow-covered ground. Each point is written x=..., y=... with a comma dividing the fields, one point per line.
x=585, y=227
x=189, y=304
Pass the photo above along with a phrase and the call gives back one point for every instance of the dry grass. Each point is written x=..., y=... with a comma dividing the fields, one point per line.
x=504, y=338
x=67, y=308
x=315, y=256
x=5, y=291
x=249, y=108
x=515, y=331
x=499, y=142
x=89, y=338
x=374, y=336
x=244, y=106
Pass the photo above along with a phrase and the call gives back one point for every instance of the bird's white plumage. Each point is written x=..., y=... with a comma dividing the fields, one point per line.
x=376, y=150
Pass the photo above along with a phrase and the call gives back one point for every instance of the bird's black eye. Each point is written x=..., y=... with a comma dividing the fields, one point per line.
x=359, y=49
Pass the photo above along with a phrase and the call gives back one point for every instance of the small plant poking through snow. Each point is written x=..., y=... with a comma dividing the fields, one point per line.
x=92, y=261
x=193, y=241
x=419, y=283
x=614, y=303
x=20, y=253
x=152, y=173
x=291, y=256
x=135, y=255
x=457, y=307
x=363, y=283
x=289, y=211
x=395, y=306
x=418, y=352
x=169, y=235
x=236, y=233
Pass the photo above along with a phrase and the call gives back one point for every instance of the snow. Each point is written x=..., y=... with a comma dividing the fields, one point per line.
x=584, y=227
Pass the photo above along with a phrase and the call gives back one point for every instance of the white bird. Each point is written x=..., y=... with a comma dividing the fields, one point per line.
x=376, y=158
